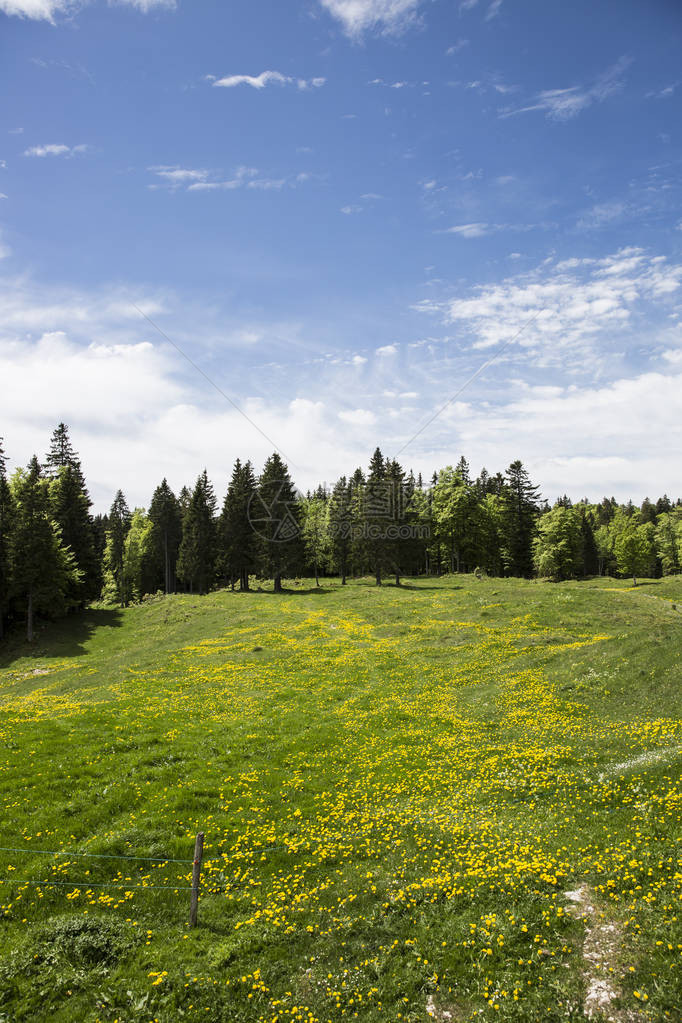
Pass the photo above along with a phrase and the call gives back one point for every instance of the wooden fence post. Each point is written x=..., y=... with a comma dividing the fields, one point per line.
x=196, y=878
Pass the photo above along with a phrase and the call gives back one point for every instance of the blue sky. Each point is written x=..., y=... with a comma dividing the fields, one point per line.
x=340, y=210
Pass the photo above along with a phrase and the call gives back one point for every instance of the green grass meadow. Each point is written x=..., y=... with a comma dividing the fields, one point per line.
x=397, y=788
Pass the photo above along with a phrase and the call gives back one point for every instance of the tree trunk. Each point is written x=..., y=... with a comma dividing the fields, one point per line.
x=29, y=617
x=397, y=578
x=378, y=576
x=634, y=580
x=317, y=574
x=166, y=561
x=278, y=582
x=343, y=583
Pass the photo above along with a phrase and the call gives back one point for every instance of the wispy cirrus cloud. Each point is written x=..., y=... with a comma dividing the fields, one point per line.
x=578, y=303
x=564, y=104
x=144, y=5
x=189, y=179
x=600, y=215
x=56, y=149
x=47, y=10
x=264, y=79
x=475, y=230
x=386, y=16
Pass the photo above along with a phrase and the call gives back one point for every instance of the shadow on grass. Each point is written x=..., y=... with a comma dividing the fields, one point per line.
x=61, y=638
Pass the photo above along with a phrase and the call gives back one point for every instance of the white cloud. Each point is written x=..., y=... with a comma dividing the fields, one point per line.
x=137, y=411
x=469, y=230
x=56, y=149
x=358, y=417
x=493, y=10
x=5, y=250
x=564, y=104
x=45, y=10
x=38, y=10
x=665, y=93
x=358, y=16
x=264, y=79
x=144, y=5
x=351, y=210
x=579, y=304
x=2, y=195
x=601, y=214
x=456, y=47
x=173, y=178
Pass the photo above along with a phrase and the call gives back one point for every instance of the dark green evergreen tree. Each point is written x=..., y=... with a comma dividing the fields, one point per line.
x=590, y=564
x=378, y=511
x=44, y=571
x=237, y=539
x=276, y=518
x=70, y=508
x=396, y=533
x=118, y=525
x=197, y=555
x=61, y=452
x=6, y=528
x=164, y=539
x=520, y=500
x=340, y=527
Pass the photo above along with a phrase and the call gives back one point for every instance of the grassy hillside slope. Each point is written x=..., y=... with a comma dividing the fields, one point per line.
x=398, y=788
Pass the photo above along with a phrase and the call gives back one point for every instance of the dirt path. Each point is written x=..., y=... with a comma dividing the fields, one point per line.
x=601, y=958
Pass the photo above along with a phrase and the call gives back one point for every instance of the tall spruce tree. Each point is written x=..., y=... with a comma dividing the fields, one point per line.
x=118, y=525
x=197, y=555
x=520, y=500
x=163, y=542
x=378, y=513
x=276, y=518
x=44, y=571
x=6, y=528
x=395, y=539
x=70, y=508
x=237, y=540
x=61, y=452
x=340, y=527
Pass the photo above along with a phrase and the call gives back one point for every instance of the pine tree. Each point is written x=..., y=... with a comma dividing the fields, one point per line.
x=589, y=544
x=118, y=526
x=164, y=539
x=276, y=518
x=340, y=527
x=520, y=499
x=378, y=514
x=70, y=508
x=359, y=554
x=395, y=544
x=197, y=555
x=100, y=525
x=7, y=516
x=44, y=571
x=237, y=541
x=61, y=453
